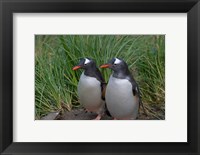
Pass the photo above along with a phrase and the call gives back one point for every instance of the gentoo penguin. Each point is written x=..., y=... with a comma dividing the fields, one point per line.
x=91, y=87
x=122, y=92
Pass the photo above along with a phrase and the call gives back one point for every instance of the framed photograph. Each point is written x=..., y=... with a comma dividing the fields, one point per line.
x=99, y=76
x=78, y=84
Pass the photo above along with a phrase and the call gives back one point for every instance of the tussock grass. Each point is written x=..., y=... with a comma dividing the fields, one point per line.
x=56, y=82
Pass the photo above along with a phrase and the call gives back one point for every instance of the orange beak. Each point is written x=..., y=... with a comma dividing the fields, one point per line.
x=105, y=65
x=76, y=67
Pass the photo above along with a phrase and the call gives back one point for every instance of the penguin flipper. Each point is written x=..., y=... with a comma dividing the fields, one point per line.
x=103, y=93
x=136, y=91
x=103, y=90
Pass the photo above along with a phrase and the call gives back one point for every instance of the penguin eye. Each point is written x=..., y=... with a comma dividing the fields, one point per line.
x=115, y=64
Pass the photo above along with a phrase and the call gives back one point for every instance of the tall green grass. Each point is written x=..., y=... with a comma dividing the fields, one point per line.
x=56, y=82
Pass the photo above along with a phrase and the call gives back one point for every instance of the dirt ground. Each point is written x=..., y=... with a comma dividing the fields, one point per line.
x=81, y=114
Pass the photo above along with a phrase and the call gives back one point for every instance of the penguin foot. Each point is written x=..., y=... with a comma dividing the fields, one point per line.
x=98, y=117
x=114, y=118
x=86, y=111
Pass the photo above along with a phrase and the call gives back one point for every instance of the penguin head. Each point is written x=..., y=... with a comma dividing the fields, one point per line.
x=85, y=63
x=116, y=64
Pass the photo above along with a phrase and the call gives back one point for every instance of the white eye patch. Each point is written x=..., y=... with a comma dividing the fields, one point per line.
x=117, y=61
x=86, y=61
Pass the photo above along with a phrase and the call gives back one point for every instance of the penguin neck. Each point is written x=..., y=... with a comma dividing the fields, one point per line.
x=90, y=71
x=121, y=74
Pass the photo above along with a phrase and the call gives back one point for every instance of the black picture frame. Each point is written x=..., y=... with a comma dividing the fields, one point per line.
x=8, y=7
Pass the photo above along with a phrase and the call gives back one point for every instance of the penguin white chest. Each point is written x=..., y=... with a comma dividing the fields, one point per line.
x=89, y=92
x=120, y=100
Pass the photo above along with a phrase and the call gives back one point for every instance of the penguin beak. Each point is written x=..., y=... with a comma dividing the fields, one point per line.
x=105, y=66
x=76, y=67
